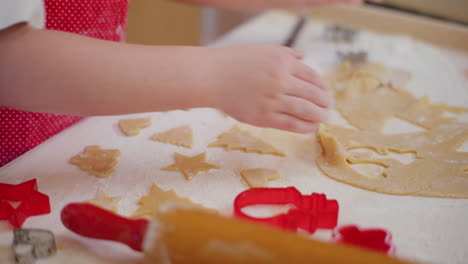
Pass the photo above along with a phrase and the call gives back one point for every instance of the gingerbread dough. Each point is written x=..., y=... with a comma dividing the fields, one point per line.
x=190, y=166
x=132, y=127
x=259, y=177
x=105, y=201
x=179, y=136
x=150, y=204
x=237, y=139
x=438, y=170
x=96, y=161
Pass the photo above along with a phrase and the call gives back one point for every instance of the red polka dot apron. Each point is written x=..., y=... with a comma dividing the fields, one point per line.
x=20, y=131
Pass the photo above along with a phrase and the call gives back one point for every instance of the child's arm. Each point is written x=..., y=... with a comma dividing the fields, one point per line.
x=264, y=4
x=59, y=72
x=52, y=71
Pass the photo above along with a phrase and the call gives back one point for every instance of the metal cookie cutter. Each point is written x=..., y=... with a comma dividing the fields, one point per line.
x=32, y=244
x=353, y=57
x=337, y=33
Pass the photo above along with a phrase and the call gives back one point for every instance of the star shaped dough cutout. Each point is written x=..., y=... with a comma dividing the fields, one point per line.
x=151, y=204
x=179, y=136
x=105, y=201
x=132, y=127
x=237, y=139
x=190, y=166
x=97, y=161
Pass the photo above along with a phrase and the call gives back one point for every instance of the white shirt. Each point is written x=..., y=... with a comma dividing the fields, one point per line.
x=17, y=11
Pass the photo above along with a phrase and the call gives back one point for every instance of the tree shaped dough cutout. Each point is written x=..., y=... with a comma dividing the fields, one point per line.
x=105, y=201
x=190, y=166
x=179, y=136
x=151, y=204
x=132, y=127
x=438, y=170
x=259, y=177
x=237, y=139
x=97, y=161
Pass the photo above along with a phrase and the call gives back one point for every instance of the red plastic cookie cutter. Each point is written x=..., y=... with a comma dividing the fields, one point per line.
x=17, y=192
x=376, y=239
x=310, y=212
x=32, y=202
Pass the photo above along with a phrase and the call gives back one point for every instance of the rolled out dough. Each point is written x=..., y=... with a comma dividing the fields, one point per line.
x=438, y=170
x=367, y=103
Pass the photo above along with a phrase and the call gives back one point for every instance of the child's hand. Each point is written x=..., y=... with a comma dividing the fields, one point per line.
x=267, y=86
x=264, y=4
x=308, y=3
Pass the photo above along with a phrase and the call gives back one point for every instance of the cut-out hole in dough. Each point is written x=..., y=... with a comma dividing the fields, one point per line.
x=462, y=117
x=400, y=126
x=464, y=147
x=405, y=158
x=369, y=170
x=364, y=151
x=266, y=210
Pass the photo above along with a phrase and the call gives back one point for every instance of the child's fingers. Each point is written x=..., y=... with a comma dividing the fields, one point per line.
x=304, y=72
x=310, y=92
x=302, y=109
x=290, y=123
x=295, y=53
x=328, y=2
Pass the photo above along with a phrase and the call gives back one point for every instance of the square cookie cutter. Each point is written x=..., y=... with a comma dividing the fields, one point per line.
x=31, y=244
x=338, y=33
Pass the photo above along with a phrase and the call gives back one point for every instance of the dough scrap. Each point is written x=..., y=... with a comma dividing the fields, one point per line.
x=190, y=166
x=105, y=201
x=132, y=127
x=179, y=136
x=96, y=161
x=368, y=104
x=152, y=203
x=259, y=177
x=439, y=169
x=237, y=139
x=395, y=77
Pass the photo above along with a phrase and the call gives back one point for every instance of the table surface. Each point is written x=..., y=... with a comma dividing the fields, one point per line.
x=431, y=230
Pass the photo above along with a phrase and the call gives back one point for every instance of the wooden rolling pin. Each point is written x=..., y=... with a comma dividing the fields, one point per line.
x=182, y=236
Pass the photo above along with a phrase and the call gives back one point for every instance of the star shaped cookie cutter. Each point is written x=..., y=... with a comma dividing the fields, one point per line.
x=32, y=202
x=310, y=212
x=32, y=244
